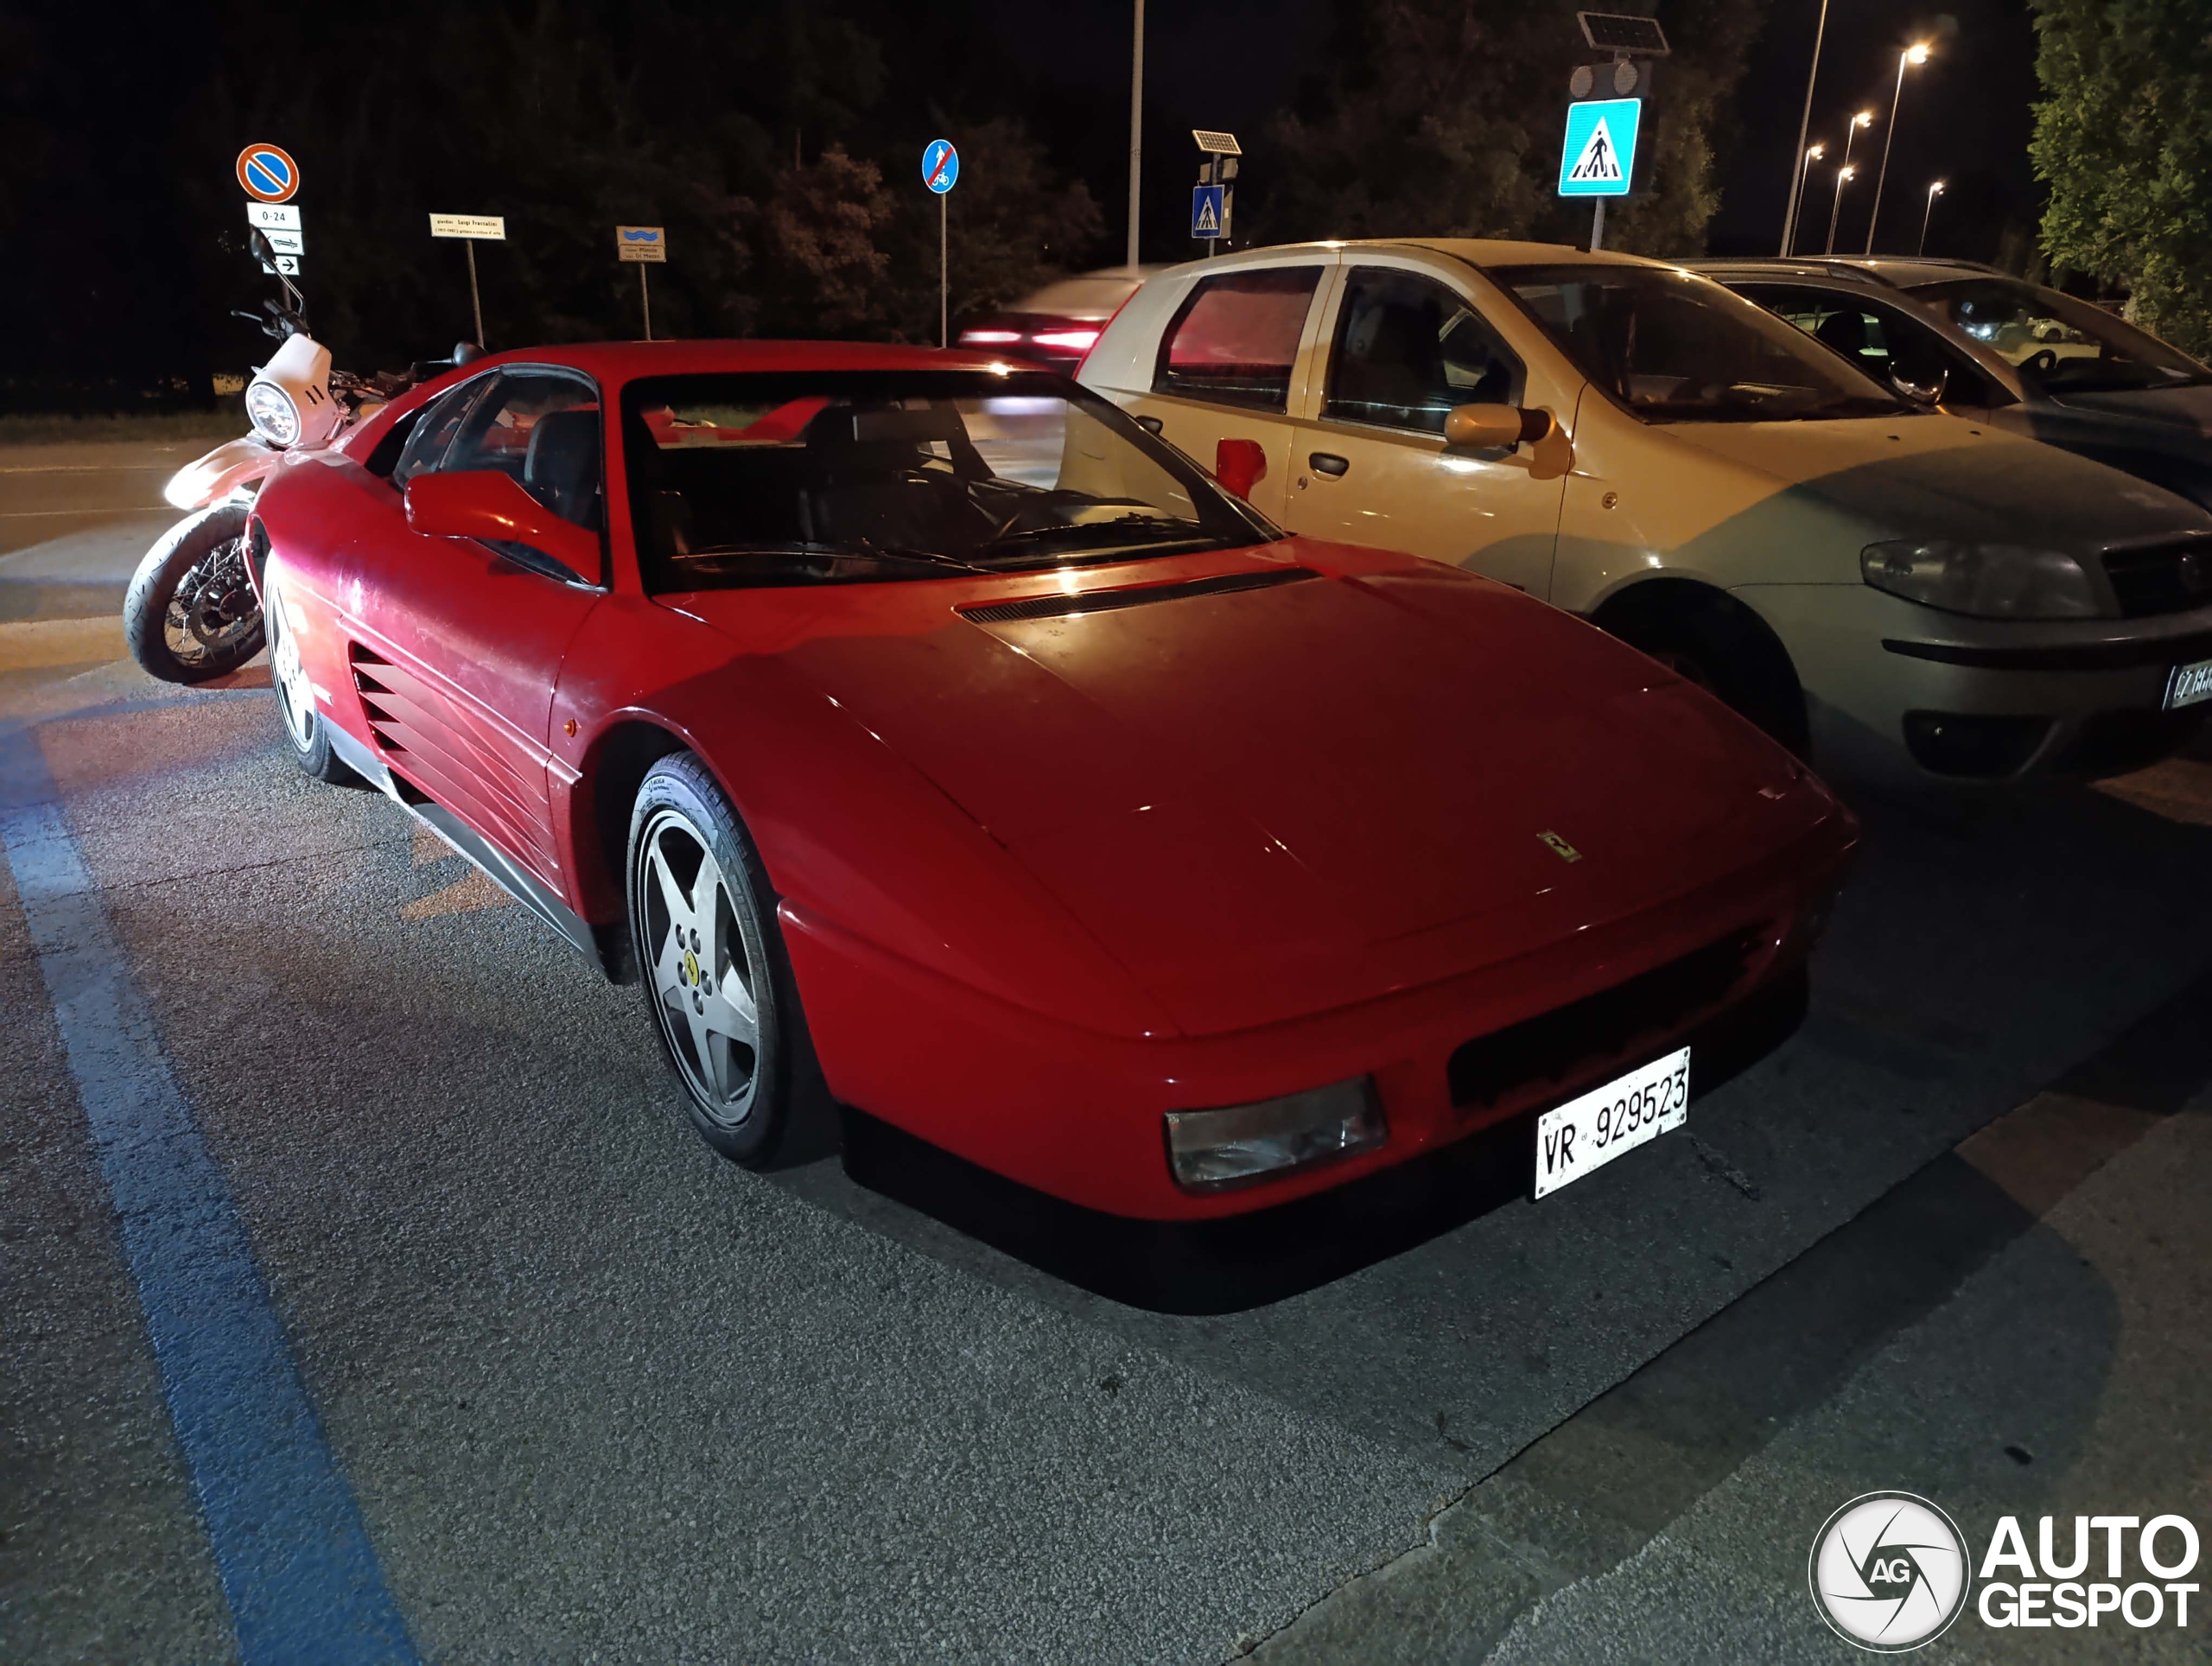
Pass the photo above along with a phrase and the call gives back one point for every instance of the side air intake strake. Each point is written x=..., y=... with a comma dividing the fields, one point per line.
x=1060, y=606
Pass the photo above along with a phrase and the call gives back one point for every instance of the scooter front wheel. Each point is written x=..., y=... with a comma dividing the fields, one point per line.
x=191, y=613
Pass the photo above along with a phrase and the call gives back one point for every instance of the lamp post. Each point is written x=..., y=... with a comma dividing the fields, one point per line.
x=1804, y=122
x=1916, y=54
x=1864, y=119
x=1136, y=129
x=1842, y=174
x=1935, y=190
x=1797, y=193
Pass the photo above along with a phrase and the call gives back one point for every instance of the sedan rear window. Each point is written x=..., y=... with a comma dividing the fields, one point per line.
x=798, y=478
x=1236, y=338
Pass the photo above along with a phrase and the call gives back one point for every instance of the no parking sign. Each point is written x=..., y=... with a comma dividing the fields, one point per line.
x=267, y=173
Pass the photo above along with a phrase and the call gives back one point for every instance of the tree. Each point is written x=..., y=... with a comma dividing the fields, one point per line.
x=2124, y=141
x=1443, y=118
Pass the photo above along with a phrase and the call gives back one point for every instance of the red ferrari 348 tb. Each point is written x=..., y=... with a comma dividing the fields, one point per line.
x=1099, y=832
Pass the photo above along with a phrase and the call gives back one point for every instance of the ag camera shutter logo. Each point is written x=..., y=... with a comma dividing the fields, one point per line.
x=1889, y=1572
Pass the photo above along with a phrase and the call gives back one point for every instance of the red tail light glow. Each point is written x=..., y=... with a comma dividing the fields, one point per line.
x=1065, y=340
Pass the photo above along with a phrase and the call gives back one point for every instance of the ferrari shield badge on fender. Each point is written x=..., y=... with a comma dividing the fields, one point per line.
x=1560, y=848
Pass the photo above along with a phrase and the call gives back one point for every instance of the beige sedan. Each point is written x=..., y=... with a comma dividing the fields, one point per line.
x=1904, y=593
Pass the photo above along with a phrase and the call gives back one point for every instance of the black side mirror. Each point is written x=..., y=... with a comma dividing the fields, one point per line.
x=257, y=241
x=465, y=353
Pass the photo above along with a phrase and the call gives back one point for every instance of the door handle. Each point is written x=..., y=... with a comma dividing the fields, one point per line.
x=1327, y=462
x=1150, y=424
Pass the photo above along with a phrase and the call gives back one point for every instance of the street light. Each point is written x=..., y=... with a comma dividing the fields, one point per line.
x=1797, y=193
x=1911, y=55
x=1804, y=122
x=1841, y=175
x=1935, y=190
x=1864, y=119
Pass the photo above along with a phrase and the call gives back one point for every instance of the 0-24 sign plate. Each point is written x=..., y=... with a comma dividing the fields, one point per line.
x=1584, y=1134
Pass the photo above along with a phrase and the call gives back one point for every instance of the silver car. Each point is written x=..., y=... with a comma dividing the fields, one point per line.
x=1996, y=347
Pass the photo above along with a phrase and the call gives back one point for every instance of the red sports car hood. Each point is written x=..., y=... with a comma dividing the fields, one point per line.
x=1270, y=801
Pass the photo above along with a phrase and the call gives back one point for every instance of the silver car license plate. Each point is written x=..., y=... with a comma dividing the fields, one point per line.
x=2189, y=684
x=1584, y=1134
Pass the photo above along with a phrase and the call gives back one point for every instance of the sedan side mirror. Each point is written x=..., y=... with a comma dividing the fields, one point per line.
x=487, y=505
x=1493, y=427
x=1239, y=464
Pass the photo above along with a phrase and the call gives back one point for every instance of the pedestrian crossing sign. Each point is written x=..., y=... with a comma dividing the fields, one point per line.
x=1208, y=210
x=1598, y=159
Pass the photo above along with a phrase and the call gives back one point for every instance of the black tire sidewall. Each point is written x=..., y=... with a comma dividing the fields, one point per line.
x=1729, y=660
x=317, y=757
x=680, y=783
x=145, y=604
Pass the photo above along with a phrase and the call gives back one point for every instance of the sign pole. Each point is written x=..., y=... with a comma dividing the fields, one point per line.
x=1597, y=225
x=940, y=173
x=646, y=296
x=475, y=300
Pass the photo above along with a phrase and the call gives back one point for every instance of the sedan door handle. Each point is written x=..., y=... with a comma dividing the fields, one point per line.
x=1327, y=462
x=1150, y=424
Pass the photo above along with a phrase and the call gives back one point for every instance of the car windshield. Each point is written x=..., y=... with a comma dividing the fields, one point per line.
x=2068, y=344
x=1677, y=348
x=829, y=477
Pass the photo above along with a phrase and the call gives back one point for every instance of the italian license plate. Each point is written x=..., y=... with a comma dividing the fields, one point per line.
x=1584, y=1134
x=2189, y=684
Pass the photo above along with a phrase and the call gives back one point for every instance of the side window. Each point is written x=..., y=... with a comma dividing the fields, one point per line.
x=542, y=429
x=1407, y=349
x=1886, y=342
x=435, y=426
x=1235, y=338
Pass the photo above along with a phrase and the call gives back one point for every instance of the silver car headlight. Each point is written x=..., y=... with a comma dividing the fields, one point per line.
x=1209, y=1150
x=272, y=413
x=1988, y=580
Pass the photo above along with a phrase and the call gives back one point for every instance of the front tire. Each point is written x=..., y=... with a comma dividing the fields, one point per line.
x=304, y=726
x=710, y=961
x=1723, y=648
x=190, y=613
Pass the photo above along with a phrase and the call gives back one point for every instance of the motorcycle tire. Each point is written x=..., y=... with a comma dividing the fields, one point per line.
x=165, y=635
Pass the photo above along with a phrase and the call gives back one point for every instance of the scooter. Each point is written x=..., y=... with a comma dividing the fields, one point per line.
x=191, y=613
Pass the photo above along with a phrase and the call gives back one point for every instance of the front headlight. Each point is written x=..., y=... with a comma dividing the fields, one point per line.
x=1209, y=1150
x=1988, y=580
x=272, y=413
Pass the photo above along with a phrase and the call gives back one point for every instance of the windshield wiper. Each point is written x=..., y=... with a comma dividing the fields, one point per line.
x=859, y=550
x=1082, y=532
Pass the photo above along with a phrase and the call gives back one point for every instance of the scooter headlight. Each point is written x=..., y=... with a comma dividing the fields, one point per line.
x=272, y=413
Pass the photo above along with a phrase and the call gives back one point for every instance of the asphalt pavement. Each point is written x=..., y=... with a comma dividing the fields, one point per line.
x=590, y=1394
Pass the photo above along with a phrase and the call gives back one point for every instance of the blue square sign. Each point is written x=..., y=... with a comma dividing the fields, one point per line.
x=1598, y=159
x=1209, y=208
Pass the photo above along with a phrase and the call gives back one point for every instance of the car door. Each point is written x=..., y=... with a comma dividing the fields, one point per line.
x=454, y=645
x=1227, y=368
x=1888, y=341
x=1371, y=466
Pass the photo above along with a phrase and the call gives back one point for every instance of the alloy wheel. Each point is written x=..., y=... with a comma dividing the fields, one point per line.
x=703, y=968
x=294, y=689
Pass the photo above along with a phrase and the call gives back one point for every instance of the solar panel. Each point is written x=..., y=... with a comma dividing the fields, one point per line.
x=1216, y=144
x=1613, y=31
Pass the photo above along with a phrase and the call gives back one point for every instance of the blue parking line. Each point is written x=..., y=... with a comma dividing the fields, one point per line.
x=296, y=1562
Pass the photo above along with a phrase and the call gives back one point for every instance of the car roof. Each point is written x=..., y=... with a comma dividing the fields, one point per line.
x=1475, y=252
x=1893, y=272
x=625, y=361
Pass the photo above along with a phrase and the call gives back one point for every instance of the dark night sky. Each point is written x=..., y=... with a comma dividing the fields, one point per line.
x=1234, y=63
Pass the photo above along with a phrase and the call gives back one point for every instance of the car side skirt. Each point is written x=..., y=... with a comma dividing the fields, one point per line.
x=607, y=947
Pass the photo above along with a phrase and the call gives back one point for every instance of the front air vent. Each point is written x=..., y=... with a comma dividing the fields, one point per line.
x=1647, y=1010
x=1060, y=606
x=2167, y=578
